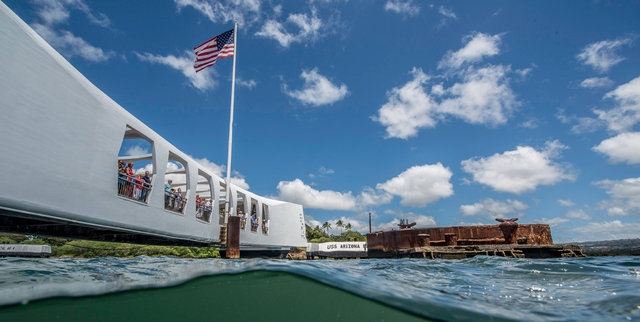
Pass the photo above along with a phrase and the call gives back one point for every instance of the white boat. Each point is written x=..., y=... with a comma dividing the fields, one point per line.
x=59, y=150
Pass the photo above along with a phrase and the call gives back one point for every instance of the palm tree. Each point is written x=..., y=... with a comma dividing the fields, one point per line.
x=326, y=226
x=340, y=224
x=348, y=226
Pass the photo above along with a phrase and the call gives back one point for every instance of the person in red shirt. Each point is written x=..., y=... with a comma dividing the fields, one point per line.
x=130, y=179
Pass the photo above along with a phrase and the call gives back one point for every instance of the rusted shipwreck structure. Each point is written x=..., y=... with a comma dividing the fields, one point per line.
x=508, y=239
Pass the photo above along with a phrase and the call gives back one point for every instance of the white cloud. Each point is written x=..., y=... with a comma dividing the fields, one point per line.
x=521, y=170
x=562, y=117
x=483, y=97
x=371, y=197
x=551, y=222
x=624, y=147
x=595, y=82
x=202, y=81
x=421, y=221
x=577, y=214
x=136, y=151
x=626, y=114
x=492, y=209
x=406, y=7
x=275, y=30
x=617, y=211
x=601, y=56
x=607, y=231
x=58, y=11
x=523, y=73
x=465, y=223
x=218, y=170
x=71, y=46
x=356, y=224
x=529, y=124
x=625, y=196
x=409, y=108
x=447, y=12
x=250, y=84
x=324, y=170
x=587, y=125
x=360, y=222
x=317, y=89
x=298, y=192
x=417, y=186
x=420, y=185
x=307, y=28
x=246, y=12
x=53, y=13
x=238, y=179
x=478, y=46
x=566, y=203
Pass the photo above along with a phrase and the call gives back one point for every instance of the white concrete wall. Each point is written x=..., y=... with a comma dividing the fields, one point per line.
x=59, y=142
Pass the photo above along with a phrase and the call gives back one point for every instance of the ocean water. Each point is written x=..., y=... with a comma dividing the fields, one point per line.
x=172, y=289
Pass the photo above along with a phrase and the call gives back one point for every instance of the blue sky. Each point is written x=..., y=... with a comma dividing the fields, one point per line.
x=443, y=113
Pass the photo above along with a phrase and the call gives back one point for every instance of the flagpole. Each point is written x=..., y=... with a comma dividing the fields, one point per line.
x=233, y=89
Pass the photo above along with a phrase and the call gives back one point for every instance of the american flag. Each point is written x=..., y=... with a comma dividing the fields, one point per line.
x=220, y=46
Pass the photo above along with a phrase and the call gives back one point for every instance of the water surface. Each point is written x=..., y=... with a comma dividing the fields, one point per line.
x=165, y=288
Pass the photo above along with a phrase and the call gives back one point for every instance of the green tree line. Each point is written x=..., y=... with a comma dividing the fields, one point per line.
x=61, y=247
x=321, y=234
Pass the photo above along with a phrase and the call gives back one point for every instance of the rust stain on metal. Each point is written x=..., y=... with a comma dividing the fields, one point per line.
x=233, y=237
x=507, y=233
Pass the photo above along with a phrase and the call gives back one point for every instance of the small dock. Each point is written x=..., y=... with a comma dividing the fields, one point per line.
x=18, y=250
x=337, y=250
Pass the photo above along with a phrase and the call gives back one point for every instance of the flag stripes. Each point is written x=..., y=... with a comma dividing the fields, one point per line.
x=220, y=46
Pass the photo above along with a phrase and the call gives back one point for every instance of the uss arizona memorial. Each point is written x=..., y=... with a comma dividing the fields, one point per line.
x=55, y=124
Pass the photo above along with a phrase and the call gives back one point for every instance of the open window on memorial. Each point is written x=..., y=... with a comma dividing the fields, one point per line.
x=136, y=171
x=177, y=176
x=252, y=213
x=204, y=197
x=265, y=219
x=241, y=210
x=223, y=200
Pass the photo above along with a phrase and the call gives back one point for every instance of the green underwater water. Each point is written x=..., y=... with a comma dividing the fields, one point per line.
x=249, y=296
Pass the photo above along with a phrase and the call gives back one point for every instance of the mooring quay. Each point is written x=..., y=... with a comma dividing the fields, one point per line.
x=508, y=239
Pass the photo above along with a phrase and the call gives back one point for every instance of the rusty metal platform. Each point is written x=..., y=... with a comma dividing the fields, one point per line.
x=508, y=239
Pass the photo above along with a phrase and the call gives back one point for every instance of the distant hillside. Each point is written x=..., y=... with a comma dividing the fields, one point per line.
x=611, y=247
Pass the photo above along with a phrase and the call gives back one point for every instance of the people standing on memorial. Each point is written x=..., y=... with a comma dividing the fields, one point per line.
x=122, y=177
x=167, y=194
x=208, y=208
x=146, y=187
x=254, y=222
x=137, y=188
x=198, y=208
x=130, y=179
x=178, y=200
